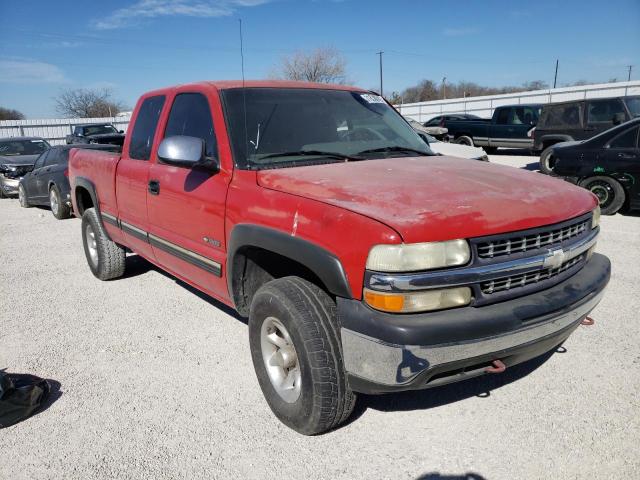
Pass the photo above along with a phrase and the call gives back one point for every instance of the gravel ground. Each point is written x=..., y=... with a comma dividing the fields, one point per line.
x=155, y=381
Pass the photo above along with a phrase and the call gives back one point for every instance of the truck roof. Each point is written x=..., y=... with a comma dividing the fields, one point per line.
x=228, y=84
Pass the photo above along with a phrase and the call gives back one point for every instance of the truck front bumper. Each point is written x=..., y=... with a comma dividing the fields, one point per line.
x=388, y=353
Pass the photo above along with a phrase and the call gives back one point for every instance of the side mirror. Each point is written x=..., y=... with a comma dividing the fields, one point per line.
x=424, y=137
x=183, y=151
x=120, y=131
x=618, y=118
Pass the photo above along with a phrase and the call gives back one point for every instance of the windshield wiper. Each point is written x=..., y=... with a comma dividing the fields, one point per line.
x=315, y=153
x=395, y=148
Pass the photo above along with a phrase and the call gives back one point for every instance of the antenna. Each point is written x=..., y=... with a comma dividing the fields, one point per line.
x=244, y=96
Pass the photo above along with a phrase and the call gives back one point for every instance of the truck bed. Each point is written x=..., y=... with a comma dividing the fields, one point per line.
x=99, y=168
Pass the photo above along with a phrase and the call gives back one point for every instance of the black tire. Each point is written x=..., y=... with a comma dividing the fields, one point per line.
x=547, y=162
x=22, y=197
x=464, y=140
x=109, y=259
x=309, y=316
x=61, y=210
x=2, y=194
x=490, y=150
x=610, y=193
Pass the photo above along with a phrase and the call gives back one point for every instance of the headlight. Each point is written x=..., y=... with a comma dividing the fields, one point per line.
x=418, y=301
x=595, y=218
x=411, y=257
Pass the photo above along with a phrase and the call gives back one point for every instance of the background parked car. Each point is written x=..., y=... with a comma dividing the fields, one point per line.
x=47, y=184
x=508, y=127
x=579, y=120
x=433, y=132
x=446, y=148
x=608, y=165
x=104, y=133
x=17, y=156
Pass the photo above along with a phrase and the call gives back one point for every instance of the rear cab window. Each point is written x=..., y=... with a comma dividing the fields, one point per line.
x=144, y=129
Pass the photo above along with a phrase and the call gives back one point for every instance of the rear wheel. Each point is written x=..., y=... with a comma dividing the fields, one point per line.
x=609, y=192
x=547, y=161
x=295, y=347
x=22, y=197
x=59, y=209
x=464, y=140
x=106, y=258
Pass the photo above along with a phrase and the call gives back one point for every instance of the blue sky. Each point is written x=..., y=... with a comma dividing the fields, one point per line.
x=133, y=46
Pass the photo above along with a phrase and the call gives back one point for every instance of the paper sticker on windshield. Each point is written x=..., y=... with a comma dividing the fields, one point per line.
x=370, y=98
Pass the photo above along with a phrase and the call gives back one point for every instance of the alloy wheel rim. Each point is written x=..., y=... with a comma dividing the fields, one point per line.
x=92, y=246
x=603, y=191
x=53, y=200
x=280, y=359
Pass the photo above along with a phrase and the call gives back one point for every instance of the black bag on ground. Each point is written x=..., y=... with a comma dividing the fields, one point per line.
x=20, y=396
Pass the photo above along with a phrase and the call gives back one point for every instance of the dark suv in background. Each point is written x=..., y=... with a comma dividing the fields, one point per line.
x=579, y=120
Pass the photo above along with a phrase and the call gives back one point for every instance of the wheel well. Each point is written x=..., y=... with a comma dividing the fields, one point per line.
x=83, y=200
x=252, y=267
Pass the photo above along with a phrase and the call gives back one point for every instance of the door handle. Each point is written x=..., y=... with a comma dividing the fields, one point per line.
x=154, y=187
x=626, y=155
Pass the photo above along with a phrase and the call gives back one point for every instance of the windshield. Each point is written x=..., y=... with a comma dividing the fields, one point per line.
x=297, y=126
x=22, y=147
x=633, y=104
x=99, y=130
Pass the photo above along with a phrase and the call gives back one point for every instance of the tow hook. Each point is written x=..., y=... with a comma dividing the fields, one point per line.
x=588, y=321
x=498, y=367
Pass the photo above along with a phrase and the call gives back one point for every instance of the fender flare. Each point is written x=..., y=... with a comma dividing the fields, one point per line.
x=320, y=261
x=91, y=188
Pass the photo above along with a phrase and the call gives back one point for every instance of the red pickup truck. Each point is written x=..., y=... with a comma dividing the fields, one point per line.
x=364, y=262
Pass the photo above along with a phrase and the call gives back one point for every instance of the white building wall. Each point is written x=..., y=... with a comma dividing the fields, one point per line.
x=55, y=129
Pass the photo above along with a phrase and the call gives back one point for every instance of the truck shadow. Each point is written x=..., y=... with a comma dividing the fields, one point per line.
x=439, y=396
x=136, y=265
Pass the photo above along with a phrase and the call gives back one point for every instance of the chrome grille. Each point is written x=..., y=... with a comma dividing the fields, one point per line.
x=523, y=243
x=515, y=281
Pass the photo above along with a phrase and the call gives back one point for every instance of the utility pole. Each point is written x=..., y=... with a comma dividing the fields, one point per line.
x=629, y=77
x=444, y=87
x=555, y=78
x=380, y=55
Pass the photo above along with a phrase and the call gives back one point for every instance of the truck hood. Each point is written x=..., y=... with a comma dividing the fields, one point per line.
x=18, y=160
x=436, y=198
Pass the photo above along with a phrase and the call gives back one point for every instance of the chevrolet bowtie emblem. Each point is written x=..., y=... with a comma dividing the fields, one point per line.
x=555, y=259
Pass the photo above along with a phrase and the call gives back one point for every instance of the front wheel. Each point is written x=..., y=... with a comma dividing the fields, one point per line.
x=106, y=258
x=464, y=140
x=609, y=192
x=59, y=209
x=295, y=347
x=547, y=161
x=22, y=197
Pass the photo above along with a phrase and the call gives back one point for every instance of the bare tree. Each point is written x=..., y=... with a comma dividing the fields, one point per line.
x=85, y=103
x=323, y=65
x=10, y=114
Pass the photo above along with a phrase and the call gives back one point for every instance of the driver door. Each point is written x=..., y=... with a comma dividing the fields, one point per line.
x=187, y=205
